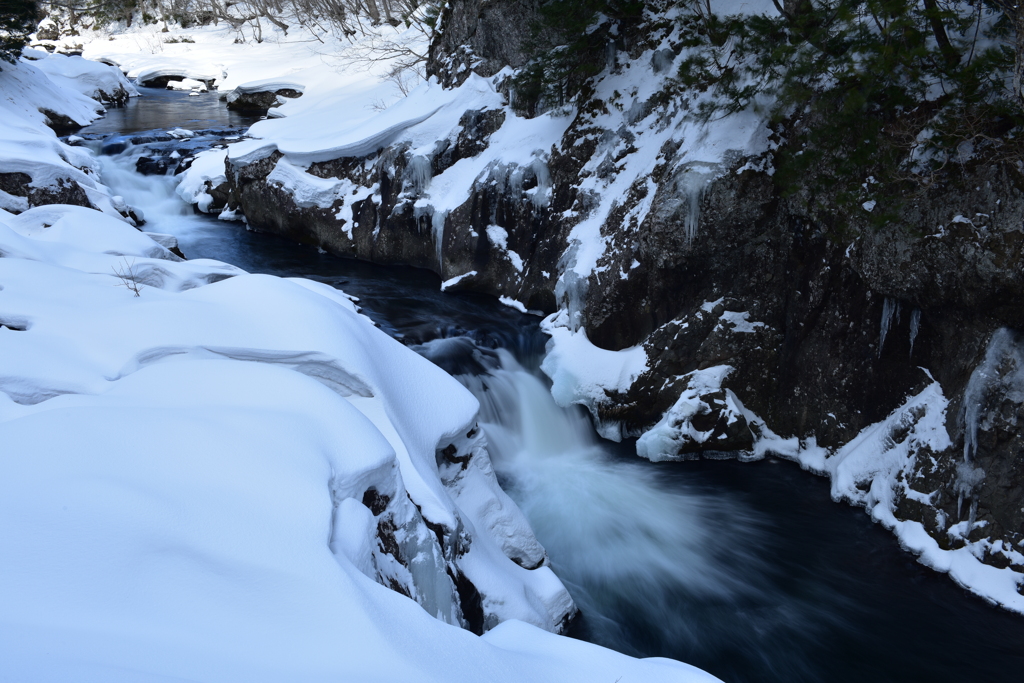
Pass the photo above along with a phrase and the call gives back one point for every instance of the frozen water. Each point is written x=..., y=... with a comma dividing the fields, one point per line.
x=890, y=309
x=915, y=326
x=1003, y=369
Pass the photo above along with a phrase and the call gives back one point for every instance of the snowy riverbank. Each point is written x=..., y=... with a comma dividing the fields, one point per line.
x=234, y=464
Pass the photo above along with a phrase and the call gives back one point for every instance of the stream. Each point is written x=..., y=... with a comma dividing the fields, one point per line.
x=748, y=571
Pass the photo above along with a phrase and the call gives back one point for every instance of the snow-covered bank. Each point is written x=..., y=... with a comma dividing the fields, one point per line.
x=40, y=91
x=235, y=464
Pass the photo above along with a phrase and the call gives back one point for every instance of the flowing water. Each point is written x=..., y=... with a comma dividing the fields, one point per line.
x=749, y=571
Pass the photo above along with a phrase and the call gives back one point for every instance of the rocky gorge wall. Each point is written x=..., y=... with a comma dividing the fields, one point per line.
x=642, y=232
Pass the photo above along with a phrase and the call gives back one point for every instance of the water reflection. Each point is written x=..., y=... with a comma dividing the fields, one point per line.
x=161, y=108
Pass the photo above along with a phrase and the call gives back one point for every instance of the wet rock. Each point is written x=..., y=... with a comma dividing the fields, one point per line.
x=60, y=123
x=481, y=37
x=63, y=191
x=155, y=165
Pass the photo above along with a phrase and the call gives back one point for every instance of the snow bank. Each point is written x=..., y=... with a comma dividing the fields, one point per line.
x=31, y=93
x=300, y=60
x=95, y=80
x=236, y=463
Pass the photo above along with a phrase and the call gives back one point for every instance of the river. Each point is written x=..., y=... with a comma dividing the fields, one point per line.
x=748, y=571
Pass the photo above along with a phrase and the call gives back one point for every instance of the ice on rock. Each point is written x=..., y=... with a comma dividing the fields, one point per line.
x=541, y=194
x=915, y=326
x=890, y=309
x=1002, y=369
x=417, y=175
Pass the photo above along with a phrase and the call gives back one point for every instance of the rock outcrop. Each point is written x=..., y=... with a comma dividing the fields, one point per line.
x=261, y=96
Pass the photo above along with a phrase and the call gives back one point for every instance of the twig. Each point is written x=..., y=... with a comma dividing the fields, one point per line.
x=128, y=276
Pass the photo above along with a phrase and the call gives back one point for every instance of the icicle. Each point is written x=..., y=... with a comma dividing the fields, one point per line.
x=1000, y=371
x=694, y=186
x=890, y=308
x=437, y=221
x=1002, y=346
x=417, y=176
x=542, y=193
x=965, y=482
x=915, y=325
x=571, y=289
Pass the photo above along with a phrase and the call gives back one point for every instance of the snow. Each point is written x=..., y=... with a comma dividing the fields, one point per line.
x=269, y=85
x=581, y=373
x=307, y=189
x=498, y=237
x=207, y=167
x=513, y=303
x=55, y=83
x=92, y=79
x=662, y=440
x=456, y=280
x=187, y=84
x=739, y=322
x=184, y=474
x=180, y=73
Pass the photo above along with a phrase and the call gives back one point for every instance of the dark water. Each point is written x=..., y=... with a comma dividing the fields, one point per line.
x=161, y=108
x=825, y=594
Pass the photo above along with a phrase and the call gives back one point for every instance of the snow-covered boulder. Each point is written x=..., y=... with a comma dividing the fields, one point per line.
x=263, y=94
x=47, y=30
x=159, y=76
x=101, y=82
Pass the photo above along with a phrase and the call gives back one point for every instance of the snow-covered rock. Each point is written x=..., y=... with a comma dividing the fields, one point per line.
x=263, y=94
x=160, y=76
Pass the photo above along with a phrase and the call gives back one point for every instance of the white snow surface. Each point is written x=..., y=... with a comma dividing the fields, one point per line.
x=187, y=84
x=183, y=473
x=269, y=84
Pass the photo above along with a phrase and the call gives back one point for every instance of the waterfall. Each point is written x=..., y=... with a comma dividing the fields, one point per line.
x=617, y=536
